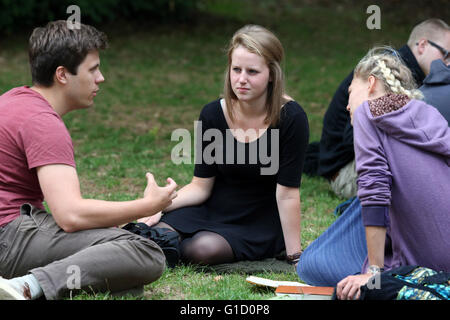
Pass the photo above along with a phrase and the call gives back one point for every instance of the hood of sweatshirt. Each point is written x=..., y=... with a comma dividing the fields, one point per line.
x=411, y=121
x=439, y=73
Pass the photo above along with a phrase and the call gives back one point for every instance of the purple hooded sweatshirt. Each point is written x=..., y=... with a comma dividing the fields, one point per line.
x=402, y=150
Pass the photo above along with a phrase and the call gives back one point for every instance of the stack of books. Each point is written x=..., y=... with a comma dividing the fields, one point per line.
x=294, y=290
x=305, y=293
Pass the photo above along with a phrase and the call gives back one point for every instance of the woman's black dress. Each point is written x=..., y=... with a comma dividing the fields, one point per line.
x=242, y=207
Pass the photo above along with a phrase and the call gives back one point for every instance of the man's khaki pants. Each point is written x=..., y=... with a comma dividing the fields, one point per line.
x=96, y=260
x=345, y=185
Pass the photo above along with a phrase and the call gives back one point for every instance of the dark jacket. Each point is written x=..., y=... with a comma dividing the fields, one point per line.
x=335, y=149
x=436, y=88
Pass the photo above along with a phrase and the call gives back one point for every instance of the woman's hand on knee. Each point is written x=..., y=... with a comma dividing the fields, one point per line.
x=151, y=220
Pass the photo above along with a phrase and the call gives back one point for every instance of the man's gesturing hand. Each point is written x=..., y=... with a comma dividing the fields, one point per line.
x=159, y=197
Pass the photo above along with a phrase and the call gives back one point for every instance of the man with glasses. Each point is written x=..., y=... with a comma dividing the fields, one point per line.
x=436, y=86
x=431, y=47
x=429, y=41
x=333, y=157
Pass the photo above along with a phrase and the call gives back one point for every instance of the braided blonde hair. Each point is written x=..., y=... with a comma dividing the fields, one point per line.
x=385, y=64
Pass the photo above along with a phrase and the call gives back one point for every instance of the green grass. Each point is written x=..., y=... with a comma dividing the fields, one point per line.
x=159, y=78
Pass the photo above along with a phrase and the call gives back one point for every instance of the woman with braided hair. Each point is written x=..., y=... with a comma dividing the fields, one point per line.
x=402, y=148
x=381, y=65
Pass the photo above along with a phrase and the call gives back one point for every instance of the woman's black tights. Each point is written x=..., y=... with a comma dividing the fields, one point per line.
x=204, y=247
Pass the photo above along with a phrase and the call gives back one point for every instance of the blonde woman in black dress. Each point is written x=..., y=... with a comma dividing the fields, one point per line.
x=244, y=204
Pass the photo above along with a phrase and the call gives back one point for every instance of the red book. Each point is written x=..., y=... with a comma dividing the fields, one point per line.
x=305, y=292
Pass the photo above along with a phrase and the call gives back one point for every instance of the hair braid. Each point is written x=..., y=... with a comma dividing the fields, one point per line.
x=385, y=64
x=394, y=84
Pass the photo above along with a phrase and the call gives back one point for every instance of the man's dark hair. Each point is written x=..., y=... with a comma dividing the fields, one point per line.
x=56, y=45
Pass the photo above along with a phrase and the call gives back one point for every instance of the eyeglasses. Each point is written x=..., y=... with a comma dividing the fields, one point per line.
x=444, y=52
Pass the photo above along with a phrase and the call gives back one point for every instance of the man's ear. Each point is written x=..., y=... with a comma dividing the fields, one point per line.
x=421, y=46
x=61, y=75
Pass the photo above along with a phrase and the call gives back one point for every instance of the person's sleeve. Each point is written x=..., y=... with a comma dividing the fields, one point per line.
x=336, y=142
x=294, y=138
x=203, y=169
x=46, y=140
x=374, y=176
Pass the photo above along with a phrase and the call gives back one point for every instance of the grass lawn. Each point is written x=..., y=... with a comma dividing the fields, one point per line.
x=158, y=78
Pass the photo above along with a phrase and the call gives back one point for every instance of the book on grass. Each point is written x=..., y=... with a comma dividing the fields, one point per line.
x=305, y=292
x=273, y=283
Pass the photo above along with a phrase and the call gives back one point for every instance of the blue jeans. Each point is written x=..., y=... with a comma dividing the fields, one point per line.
x=337, y=253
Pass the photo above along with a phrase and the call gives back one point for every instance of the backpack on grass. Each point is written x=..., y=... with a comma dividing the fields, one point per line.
x=409, y=283
x=163, y=237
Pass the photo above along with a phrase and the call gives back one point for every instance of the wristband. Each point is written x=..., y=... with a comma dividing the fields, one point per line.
x=293, y=258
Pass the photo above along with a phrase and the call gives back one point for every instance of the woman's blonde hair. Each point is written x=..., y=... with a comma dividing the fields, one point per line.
x=260, y=41
x=385, y=64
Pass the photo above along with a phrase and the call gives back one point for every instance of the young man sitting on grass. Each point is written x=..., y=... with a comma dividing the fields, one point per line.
x=76, y=246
